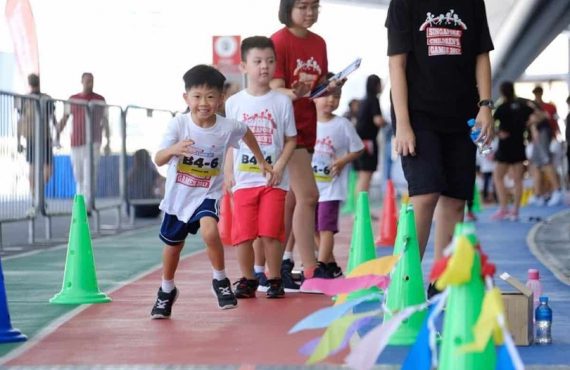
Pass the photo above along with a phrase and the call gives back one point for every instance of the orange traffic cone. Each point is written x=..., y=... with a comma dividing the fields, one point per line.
x=225, y=223
x=388, y=221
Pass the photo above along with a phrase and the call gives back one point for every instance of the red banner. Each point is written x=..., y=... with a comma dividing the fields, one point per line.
x=23, y=29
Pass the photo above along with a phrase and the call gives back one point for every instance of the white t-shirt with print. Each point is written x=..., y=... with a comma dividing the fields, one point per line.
x=335, y=139
x=271, y=118
x=192, y=179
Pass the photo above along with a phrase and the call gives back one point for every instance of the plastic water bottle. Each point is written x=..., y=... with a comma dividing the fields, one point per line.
x=533, y=283
x=483, y=149
x=543, y=322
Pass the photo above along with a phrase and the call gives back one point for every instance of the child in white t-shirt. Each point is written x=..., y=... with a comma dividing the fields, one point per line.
x=337, y=145
x=193, y=146
x=259, y=204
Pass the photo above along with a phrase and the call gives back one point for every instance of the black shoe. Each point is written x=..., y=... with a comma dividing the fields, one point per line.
x=287, y=265
x=322, y=271
x=432, y=290
x=163, y=305
x=334, y=270
x=223, y=291
x=246, y=288
x=275, y=288
x=263, y=285
x=289, y=284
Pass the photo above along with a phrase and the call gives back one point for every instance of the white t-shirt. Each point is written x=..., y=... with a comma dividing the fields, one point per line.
x=335, y=139
x=271, y=118
x=192, y=179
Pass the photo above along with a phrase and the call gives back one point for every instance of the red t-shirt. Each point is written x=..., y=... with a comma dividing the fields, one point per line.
x=78, y=112
x=301, y=59
x=550, y=109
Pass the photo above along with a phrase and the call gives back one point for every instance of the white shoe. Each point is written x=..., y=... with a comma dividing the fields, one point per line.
x=555, y=198
x=536, y=200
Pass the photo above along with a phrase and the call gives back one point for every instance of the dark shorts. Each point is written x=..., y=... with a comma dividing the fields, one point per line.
x=368, y=161
x=327, y=216
x=444, y=163
x=174, y=231
x=48, y=153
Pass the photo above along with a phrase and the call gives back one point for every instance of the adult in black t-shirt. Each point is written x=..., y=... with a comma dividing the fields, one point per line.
x=369, y=121
x=512, y=115
x=439, y=68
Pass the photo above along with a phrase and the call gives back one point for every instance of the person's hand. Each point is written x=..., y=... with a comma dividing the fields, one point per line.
x=484, y=120
x=335, y=85
x=300, y=89
x=182, y=148
x=266, y=170
x=278, y=170
x=107, y=149
x=337, y=167
x=503, y=134
x=229, y=182
x=405, y=141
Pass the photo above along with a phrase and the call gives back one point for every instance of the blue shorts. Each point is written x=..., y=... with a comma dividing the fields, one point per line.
x=174, y=232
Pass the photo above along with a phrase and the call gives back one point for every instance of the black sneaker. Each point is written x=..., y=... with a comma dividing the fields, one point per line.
x=287, y=265
x=275, y=288
x=263, y=285
x=432, y=290
x=163, y=305
x=289, y=283
x=322, y=271
x=223, y=291
x=334, y=270
x=246, y=288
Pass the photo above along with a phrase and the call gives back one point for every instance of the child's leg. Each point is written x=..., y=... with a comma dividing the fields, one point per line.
x=517, y=170
x=273, y=251
x=259, y=253
x=327, y=226
x=326, y=246
x=499, y=180
x=246, y=259
x=424, y=207
x=306, y=195
x=290, y=238
x=170, y=259
x=449, y=211
x=211, y=237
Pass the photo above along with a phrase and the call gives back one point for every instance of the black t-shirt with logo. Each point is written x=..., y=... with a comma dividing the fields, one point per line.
x=442, y=39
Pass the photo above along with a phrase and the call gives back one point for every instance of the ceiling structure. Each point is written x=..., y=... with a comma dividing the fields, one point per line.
x=521, y=30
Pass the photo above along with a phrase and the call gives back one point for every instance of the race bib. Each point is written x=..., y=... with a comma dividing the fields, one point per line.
x=248, y=162
x=203, y=163
x=322, y=168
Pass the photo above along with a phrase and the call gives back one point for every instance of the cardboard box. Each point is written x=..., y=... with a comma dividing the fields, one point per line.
x=519, y=311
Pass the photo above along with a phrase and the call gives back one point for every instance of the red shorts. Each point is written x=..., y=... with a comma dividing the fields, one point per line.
x=258, y=212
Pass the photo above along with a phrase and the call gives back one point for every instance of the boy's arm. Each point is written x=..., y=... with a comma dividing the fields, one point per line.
x=484, y=118
x=249, y=140
x=339, y=164
x=405, y=140
x=163, y=156
x=279, y=168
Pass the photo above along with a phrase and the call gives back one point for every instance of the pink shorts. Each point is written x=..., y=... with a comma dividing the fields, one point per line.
x=258, y=212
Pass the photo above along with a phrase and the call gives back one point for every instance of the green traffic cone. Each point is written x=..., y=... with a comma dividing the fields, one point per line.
x=463, y=309
x=79, y=279
x=350, y=201
x=362, y=248
x=407, y=284
x=477, y=208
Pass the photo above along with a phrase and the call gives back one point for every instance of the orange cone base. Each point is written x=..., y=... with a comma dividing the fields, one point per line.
x=66, y=298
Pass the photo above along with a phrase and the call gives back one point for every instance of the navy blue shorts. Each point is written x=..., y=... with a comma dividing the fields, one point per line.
x=174, y=231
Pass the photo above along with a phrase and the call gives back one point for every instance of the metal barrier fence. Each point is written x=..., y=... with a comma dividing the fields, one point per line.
x=89, y=148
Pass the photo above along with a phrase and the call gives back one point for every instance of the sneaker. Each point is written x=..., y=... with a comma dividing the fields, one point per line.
x=320, y=273
x=555, y=199
x=222, y=289
x=262, y=278
x=246, y=288
x=289, y=283
x=501, y=214
x=163, y=305
x=275, y=288
x=334, y=270
x=536, y=200
x=513, y=216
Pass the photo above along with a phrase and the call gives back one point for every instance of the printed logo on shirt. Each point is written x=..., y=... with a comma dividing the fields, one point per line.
x=307, y=71
x=197, y=169
x=323, y=159
x=262, y=125
x=443, y=33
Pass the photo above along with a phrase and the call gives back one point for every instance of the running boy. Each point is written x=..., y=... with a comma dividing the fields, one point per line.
x=337, y=145
x=193, y=147
x=441, y=77
x=269, y=115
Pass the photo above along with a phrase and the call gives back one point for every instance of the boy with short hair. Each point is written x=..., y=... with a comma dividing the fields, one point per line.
x=269, y=114
x=193, y=146
x=337, y=145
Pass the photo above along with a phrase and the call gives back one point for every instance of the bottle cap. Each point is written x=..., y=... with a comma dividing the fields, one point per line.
x=543, y=299
x=533, y=274
x=471, y=122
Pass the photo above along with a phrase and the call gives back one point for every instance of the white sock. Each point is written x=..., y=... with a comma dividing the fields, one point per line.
x=288, y=255
x=258, y=269
x=219, y=275
x=167, y=285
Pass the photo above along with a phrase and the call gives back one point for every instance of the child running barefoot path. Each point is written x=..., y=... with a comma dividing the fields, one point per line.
x=260, y=203
x=193, y=146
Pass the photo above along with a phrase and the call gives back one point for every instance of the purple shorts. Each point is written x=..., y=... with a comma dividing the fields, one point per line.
x=327, y=216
